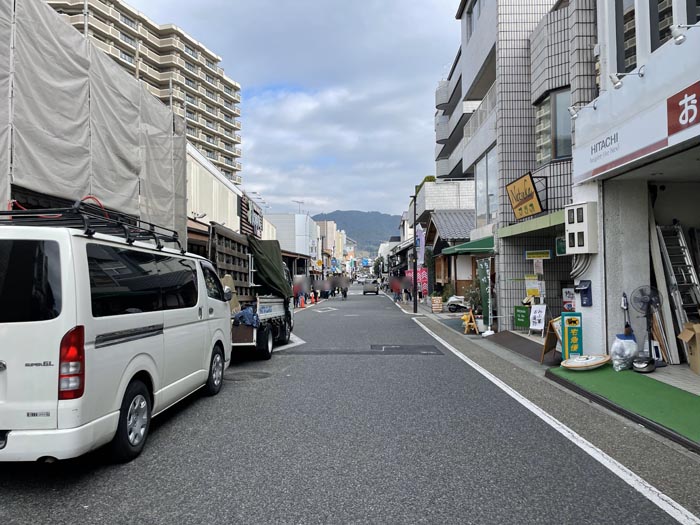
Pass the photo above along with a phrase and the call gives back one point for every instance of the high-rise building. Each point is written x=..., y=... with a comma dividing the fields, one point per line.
x=176, y=68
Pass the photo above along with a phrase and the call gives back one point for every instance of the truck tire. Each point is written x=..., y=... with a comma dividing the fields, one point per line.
x=285, y=333
x=134, y=423
x=265, y=343
x=452, y=308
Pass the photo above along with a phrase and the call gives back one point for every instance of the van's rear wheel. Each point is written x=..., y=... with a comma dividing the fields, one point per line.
x=216, y=372
x=265, y=342
x=134, y=423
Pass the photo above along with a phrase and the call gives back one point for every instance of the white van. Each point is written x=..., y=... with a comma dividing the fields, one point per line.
x=98, y=334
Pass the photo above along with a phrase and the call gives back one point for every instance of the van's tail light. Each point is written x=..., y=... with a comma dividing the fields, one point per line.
x=71, y=375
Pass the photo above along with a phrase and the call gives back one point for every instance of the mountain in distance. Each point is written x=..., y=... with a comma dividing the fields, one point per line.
x=367, y=228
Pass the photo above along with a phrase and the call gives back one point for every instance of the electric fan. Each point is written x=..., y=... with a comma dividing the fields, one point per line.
x=645, y=300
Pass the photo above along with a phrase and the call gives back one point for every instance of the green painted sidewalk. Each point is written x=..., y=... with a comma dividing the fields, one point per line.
x=663, y=404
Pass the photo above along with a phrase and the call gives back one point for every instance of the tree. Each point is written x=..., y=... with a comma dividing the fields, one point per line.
x=377, y=266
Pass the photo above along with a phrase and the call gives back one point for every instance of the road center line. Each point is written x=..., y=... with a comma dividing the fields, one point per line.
x=658, y=498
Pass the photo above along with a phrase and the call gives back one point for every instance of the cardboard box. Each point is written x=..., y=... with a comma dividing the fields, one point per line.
x=691, y=336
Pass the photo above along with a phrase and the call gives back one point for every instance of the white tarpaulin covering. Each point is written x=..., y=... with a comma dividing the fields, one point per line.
x=83, y=125
x=51, y=150
x=5, y=37
x=114, y=118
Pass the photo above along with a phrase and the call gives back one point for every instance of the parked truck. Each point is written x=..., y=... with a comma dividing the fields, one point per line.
x=262, y=308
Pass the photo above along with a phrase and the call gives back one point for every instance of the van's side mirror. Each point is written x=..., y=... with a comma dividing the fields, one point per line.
x=228, y=293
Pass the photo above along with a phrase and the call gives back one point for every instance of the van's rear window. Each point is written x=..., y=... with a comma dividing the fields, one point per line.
x=30, y=281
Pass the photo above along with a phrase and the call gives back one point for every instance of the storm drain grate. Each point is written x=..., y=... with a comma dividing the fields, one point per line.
x=245, y=376
x=374, y=350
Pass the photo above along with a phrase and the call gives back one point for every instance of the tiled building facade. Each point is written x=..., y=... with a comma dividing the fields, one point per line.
x=176, y=68
x=529, y=61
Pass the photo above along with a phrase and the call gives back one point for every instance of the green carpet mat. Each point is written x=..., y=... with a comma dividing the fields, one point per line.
x=664, y=404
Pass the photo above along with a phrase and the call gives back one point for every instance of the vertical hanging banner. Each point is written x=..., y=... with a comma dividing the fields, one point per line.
x=572, y=334
x=423, y=280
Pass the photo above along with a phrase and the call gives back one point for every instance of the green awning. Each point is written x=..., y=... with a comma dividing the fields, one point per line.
x=484, y=245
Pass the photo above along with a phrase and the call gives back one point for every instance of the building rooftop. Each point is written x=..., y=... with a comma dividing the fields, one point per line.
x=452, y=225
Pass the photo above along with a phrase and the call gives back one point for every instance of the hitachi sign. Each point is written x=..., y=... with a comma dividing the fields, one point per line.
x=603, y=144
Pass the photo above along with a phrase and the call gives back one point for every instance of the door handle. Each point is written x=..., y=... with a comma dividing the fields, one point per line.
x=200, y=312
x=3, y=366
x=211, y=310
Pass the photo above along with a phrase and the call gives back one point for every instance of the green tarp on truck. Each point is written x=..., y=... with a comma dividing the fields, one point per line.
x=269, y=268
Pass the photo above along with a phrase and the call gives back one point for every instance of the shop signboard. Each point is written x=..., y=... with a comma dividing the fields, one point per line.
x=568, y=297
x=420, y=244
x=671, y=121
x=523, y=197
x=522, y=317
x=531, y=255
x=537, y=317
x=572, y=334
x=532, y=286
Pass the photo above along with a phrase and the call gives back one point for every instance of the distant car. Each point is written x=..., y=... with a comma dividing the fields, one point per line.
x=370, y=287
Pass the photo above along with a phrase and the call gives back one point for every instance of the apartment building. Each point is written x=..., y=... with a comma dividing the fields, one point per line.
x=177, y=69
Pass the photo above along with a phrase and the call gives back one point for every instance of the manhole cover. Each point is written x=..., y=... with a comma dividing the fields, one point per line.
x=246, y=376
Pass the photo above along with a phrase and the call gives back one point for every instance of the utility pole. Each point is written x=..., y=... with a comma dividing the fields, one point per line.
x=299, y=203
x=415, y=260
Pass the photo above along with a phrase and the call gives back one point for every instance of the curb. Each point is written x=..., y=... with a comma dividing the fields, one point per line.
x=641, y=420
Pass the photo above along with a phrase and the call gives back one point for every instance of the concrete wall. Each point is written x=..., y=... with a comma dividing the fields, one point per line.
x=479, y=45
x=549, y=53
x=464, y=268
x=626, y=212
x=208, y=191
x=678, y=200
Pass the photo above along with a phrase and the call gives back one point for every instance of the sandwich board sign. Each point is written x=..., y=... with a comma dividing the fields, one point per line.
x=537, y=317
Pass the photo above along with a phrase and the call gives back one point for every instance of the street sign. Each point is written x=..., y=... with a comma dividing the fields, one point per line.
x=537, y=254
x=319, y=263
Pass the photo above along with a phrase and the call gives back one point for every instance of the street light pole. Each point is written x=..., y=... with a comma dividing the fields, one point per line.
x=415, y=261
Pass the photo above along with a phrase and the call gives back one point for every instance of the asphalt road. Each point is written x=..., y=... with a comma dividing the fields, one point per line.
x=370, y=421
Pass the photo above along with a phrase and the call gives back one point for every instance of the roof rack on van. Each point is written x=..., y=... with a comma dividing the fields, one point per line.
x=91, y=220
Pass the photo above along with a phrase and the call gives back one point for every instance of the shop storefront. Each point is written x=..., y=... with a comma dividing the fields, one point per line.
x=637, y=160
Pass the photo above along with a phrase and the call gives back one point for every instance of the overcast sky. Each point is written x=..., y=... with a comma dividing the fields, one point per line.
x=338, y=96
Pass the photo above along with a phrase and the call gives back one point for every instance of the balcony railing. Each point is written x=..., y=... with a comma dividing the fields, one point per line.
x=487, y=106
x=442, y=94
x=442, y=129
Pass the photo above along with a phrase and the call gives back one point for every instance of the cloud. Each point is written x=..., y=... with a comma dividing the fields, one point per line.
x=338, y=97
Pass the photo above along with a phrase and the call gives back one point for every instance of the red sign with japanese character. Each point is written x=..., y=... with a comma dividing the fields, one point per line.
x=684, y=109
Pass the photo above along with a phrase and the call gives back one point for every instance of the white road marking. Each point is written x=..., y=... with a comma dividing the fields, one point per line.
x=293, y=341
x=658, y=498
x=352, y=315
x=325, y=310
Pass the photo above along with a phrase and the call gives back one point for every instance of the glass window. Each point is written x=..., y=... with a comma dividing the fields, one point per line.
x=128, y=21
x=211, y=64
x=190, y=82
x=626, y=36
x=660, y=21
x=480, y=176
x=122, y=281
x=126, y=38
x=543, y=132
x=562, y=124
x=190, y=99
x=214, y=288
x=30, y=281
x=190, y=51
x=492, y=184
x=178, y=281
x=191, y=67
x=126, y=57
